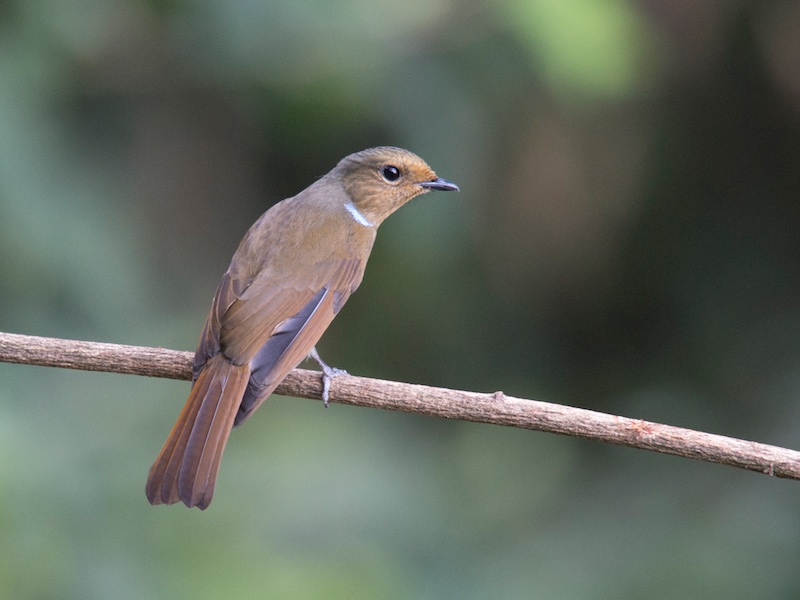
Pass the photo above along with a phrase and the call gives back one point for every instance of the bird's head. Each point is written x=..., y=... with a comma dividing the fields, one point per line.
x=380, y=180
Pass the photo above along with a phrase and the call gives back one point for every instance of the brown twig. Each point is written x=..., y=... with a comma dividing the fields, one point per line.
x=494, y=408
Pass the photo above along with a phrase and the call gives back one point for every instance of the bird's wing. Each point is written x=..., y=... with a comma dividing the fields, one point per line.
x=273, y=325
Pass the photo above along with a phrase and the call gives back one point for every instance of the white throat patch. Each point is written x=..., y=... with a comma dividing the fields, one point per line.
x=359, y=218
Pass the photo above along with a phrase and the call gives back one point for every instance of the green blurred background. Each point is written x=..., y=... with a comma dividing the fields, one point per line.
x=627, y=239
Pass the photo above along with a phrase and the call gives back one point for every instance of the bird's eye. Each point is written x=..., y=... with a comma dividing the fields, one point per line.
x=390, y=173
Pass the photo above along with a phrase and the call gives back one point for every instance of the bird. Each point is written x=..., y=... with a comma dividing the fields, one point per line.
x=290, y=276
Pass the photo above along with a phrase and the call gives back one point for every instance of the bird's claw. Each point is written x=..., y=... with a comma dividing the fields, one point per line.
x=328, y=373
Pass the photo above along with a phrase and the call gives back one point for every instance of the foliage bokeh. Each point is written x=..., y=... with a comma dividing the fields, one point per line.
x=627, y=239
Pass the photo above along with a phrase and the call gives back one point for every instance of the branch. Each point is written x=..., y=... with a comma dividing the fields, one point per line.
x=494, y=408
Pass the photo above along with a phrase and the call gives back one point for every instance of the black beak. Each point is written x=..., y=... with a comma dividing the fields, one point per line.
x=440, y=184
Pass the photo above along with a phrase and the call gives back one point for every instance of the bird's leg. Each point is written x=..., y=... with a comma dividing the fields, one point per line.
x=328, y=373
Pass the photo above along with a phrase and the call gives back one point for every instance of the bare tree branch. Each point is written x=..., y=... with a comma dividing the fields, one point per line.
x=494, y=408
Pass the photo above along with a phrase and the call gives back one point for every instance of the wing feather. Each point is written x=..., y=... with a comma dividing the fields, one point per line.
x=292, y=339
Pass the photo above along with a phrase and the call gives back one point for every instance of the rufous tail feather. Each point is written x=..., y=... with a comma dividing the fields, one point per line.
x=186, y=468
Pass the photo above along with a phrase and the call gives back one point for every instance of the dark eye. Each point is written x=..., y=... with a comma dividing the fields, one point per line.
x=390, y=173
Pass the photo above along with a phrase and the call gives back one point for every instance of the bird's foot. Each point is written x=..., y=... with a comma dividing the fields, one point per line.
x=328, y=373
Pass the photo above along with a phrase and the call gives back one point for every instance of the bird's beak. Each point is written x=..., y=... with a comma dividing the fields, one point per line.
x=441, y=185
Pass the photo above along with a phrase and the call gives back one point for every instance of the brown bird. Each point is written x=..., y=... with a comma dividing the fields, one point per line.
x=291, y=274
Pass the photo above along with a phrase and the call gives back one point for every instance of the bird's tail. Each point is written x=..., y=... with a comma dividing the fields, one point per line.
x=186, y=468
